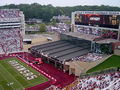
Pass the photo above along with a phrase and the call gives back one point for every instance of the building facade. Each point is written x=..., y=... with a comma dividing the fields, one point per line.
x=97, y=23
x=12, y=27
x=103, y=27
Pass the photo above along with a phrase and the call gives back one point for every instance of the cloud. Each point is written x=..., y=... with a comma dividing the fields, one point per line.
x=63, y=2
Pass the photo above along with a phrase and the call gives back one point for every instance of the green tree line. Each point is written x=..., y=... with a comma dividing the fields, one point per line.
x=46, y=12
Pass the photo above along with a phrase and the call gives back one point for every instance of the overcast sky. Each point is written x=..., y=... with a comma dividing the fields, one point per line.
x=63, y=2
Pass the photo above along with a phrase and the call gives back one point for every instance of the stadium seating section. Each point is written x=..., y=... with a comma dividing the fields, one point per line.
x=7, y=13
x=10, y=41
x=88, y=57
x=105, y=81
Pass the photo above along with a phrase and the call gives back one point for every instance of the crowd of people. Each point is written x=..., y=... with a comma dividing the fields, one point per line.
x=88, y=57
x=9, y=13
x=98, y=32
x=99, y=82
x=10, y=40
x=116, y=85
x=90, y=31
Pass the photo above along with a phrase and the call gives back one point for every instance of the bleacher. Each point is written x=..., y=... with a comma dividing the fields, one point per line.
x=90, y=57
x=9, y=13
x=109, y=81
x=10, y=40
x=10, y=31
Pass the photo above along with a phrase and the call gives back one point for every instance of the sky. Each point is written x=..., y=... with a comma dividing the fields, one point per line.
x=63, y=2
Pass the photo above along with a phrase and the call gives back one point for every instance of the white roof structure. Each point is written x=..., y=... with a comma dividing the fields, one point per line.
x=24, y=40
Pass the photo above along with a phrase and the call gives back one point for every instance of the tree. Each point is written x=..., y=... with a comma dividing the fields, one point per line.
x=53, y=22
x=46, y=12
x=57, y=20
x=42, y=27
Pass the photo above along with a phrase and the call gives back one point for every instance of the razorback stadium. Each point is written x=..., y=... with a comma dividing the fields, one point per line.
x=75, y=62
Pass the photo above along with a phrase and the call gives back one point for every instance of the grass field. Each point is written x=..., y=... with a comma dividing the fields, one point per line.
x=8, y=74
x=113, y=61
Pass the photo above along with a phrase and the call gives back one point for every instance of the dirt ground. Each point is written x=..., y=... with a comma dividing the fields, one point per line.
x=38, y=39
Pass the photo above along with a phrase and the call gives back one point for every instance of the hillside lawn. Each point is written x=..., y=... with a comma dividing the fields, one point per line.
x=113, y=61
x=8, y=74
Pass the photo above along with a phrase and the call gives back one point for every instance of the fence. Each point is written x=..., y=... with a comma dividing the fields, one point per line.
x=110, y=70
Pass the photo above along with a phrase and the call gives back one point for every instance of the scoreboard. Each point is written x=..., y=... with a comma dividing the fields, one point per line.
x=108, y=21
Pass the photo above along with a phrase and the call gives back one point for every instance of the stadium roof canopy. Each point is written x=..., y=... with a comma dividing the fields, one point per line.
x=90, y=37
x=62, y=50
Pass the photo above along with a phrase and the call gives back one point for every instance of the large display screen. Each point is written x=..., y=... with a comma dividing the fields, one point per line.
x=108, y=21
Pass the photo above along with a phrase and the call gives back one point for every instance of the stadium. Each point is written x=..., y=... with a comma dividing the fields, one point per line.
x=81, y=60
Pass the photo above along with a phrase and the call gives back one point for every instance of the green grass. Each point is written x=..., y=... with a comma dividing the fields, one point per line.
x=9, y=74
x=113, y=61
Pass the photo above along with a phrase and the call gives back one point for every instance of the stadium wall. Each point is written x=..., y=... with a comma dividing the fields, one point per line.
x=82, y=67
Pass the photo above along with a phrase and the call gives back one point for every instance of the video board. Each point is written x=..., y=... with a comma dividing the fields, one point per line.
x=108, y=21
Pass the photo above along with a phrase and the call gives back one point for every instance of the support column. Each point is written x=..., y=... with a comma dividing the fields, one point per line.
x=64, y=66
x=73, y=22
x=119, y=31
x=55, y=63
x=47, y=60
x=69, y=71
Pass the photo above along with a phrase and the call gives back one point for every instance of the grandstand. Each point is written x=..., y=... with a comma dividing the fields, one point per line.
x=73, y=55
x=11, y=30
x=109, y=81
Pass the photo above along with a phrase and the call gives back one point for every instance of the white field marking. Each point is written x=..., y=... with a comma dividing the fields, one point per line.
x=4, y=77
x=22, y=77
x=38, y=83
x=14, y=61
x=12, y=77
x=28, y=81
